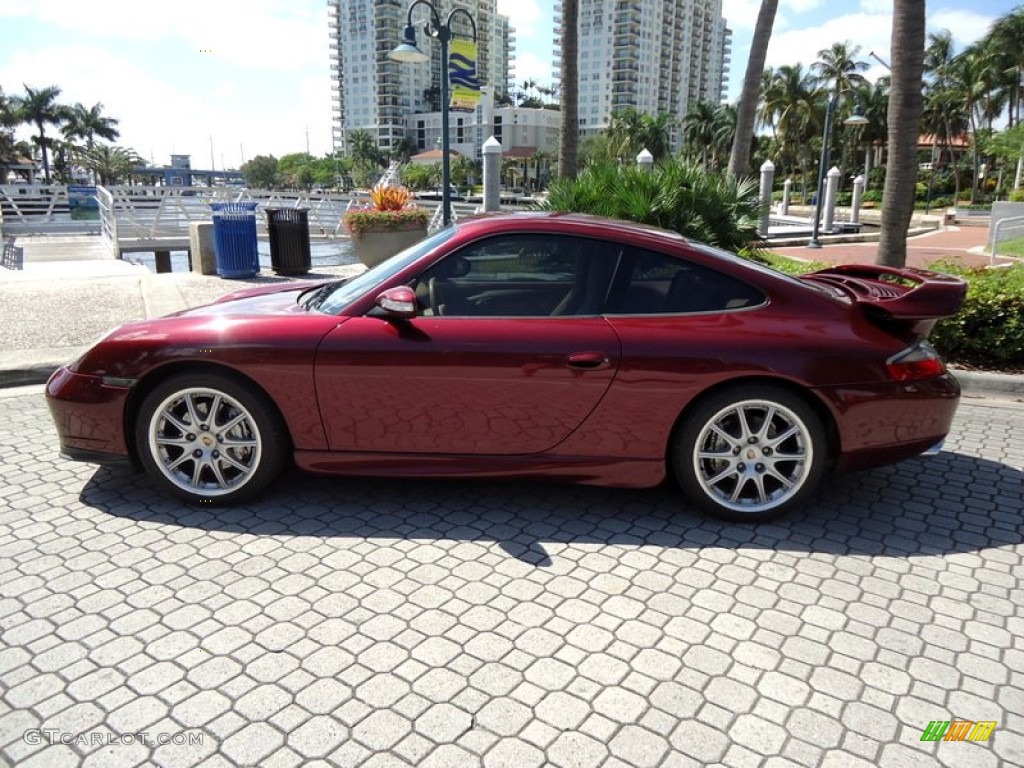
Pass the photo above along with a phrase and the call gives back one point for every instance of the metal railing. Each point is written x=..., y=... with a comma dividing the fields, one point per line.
x=1013, y=225
x=148, y=218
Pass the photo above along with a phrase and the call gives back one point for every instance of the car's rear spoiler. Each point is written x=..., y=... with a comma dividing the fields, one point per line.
x=895, y=293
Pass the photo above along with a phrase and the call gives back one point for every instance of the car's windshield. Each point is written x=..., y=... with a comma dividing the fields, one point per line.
x=345, y=294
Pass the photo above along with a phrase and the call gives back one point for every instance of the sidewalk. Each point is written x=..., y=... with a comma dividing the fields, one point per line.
x=55, y=308
x=963, y=244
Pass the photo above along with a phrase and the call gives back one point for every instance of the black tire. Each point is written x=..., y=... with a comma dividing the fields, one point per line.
x=750, y=453
x=222, y=460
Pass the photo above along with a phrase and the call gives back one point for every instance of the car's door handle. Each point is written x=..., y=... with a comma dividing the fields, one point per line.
x=587, y=361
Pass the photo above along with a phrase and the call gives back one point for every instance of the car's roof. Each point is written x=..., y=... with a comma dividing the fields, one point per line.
x=580, y=223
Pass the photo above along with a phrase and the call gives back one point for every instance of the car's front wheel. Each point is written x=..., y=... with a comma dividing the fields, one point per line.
x=750, y=453
x=206, y=437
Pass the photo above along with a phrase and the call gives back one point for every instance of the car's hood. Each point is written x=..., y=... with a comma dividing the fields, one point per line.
x=236, y=329
x=281, y=299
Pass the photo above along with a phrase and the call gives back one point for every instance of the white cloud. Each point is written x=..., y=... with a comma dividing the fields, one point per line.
x=741, y=14
x=528, y=19
x=876, y=6
x=529, y=66
x=967, y=27
x=158, y=117
x=261, y=34
x=869, y=31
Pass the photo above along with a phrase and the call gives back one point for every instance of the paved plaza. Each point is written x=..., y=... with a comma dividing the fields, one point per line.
x=424, y=623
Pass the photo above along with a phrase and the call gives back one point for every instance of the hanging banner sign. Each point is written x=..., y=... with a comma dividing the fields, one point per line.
x=465, y=85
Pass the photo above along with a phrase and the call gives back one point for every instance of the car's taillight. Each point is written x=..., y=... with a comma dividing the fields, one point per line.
x=919, y=361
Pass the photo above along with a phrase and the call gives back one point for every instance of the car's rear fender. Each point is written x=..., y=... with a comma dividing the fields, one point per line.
x=804, y=393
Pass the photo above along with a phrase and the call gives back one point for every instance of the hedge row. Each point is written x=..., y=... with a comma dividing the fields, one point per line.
x=988, y=332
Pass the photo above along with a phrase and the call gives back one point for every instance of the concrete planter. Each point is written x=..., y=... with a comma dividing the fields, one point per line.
x=373, y=247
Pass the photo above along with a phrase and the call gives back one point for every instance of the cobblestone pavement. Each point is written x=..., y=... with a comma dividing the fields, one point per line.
x=380, y=623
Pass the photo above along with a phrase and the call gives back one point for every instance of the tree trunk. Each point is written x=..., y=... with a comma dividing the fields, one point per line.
x=746, y=113
x=905, y=102
x=569, y=137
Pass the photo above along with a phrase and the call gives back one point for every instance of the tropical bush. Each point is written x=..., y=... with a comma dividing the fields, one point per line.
x=675, y=195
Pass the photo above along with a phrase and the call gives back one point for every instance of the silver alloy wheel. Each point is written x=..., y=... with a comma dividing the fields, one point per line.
x=753, y=456
x=204, y=441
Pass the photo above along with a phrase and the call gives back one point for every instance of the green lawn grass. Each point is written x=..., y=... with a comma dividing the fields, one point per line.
x=788, y=265
x=1013, y=247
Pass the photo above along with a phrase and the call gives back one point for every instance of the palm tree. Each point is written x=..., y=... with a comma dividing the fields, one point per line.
x=905, y=102
x=8, y=121
x=791, y=94
x=768, y=108
x=363, y=147
x=1007, y=35
x=40, y=107
x=837, y=67
x=699, y=129
x=746, y=114
x=87, y=123
x=403, y=149
x=109, y=163
x=569, y=136
x=626, y=132
x=657, y=134
x=874, y=100
x=724, y=136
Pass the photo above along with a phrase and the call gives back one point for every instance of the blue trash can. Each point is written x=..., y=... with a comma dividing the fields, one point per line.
x=234, y=239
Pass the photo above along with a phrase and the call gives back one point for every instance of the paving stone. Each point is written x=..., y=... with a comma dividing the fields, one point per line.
x=385, y=626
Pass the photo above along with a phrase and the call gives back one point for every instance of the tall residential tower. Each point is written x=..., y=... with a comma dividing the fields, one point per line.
x=655, y=56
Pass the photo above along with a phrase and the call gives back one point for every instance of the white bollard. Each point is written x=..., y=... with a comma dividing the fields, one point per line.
x=491, y=151
x=831, y=190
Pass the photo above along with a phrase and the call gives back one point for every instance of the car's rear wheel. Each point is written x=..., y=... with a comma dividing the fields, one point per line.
x=207, y=438
x=750, y=453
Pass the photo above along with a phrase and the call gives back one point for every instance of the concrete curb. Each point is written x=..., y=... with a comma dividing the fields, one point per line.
x=984, y=384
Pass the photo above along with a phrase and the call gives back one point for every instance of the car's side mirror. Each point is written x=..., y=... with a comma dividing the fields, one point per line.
x=398, y=302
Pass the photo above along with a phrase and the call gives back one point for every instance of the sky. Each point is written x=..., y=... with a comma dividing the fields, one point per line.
x=224, y=80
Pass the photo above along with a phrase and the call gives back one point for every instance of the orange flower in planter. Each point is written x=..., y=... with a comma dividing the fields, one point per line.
x=391, y=209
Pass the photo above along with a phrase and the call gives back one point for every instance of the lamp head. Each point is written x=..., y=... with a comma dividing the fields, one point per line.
x=407, y=52
x=857, y=118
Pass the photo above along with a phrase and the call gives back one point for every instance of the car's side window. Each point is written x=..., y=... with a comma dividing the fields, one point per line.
x=520, y=275
x=654, y=283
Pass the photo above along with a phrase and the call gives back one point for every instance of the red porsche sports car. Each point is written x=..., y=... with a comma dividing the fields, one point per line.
x=542, y=345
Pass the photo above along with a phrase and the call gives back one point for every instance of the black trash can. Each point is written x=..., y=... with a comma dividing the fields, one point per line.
x=288, y=230
x=234, y=239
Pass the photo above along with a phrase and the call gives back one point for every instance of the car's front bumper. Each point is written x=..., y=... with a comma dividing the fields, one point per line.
x=89, y=415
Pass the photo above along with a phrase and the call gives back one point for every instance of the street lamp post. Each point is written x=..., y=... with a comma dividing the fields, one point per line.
x=857, y=118
x=408, y=52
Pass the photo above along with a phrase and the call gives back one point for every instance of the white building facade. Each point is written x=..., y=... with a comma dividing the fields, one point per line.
x=372, y=93
x=655, y=56
x=521, y=131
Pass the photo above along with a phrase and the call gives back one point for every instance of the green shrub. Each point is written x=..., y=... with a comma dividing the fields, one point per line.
x=676, y=195
x=871, y=196
x=988, y=331
x=1017, y=195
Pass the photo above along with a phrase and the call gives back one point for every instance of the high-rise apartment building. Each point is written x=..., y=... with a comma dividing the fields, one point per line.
x=655, y=56
x=371, y=92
